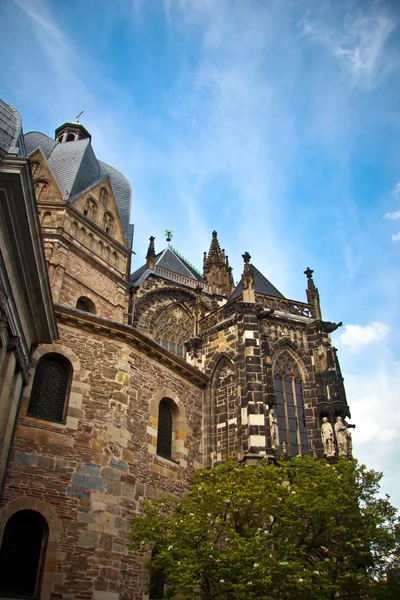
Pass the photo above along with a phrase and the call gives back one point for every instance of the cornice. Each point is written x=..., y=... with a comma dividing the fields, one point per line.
x=131, y=336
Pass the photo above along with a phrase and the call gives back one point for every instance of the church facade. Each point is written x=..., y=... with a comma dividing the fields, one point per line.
x=153, y=373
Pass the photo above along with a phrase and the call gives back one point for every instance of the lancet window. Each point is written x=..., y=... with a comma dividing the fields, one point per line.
x=172, y=328
x=41, y=188
x=90, y=209
x=290, y=405
x=224, y=410
x=108, y=223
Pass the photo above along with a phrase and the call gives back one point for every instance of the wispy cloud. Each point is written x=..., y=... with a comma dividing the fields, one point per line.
x=393, y=215
x=355, y=337
x=356, y=39
x=396, y=237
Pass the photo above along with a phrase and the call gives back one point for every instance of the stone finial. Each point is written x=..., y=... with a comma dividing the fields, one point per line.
x=248, y=280
x=215, y=269
x=151, y=254
x=312, y=294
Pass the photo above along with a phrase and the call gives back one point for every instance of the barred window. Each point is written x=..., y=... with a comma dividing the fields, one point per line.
x=164, y=435
x=290, y=405
x=50, y=387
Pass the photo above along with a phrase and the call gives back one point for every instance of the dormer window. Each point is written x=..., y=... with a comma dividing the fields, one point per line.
x=108, y=223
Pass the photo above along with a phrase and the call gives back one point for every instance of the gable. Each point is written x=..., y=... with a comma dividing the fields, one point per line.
x=102, y=206
x=45, y=184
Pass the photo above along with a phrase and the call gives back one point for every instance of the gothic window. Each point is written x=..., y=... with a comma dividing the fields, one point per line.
x=290, y=405
x=22, y=554
x=50, y=388
x=85, y=304
x=164, y=433
x=172, y=328
x=90, y=209
x=41, y=188
x=108, y=223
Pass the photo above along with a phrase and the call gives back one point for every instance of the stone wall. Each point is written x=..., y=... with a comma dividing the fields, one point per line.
x=93, y=471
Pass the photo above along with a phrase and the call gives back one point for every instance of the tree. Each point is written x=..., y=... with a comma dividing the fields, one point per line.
x=301, y=529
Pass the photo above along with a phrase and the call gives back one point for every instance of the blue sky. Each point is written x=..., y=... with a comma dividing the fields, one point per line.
x=275, y=122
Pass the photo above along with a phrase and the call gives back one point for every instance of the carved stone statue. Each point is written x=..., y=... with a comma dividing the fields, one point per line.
x=273, y=427
x=343, y=438
x=327, y=438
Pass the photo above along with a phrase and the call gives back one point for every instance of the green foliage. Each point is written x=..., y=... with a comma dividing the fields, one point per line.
x=301, y=530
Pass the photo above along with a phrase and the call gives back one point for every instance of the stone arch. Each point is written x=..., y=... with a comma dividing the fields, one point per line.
x=49, y=513
x=36, y=165
x=47, y=219
x=293, y=349
x=86, y=304
x=179, y=451
x=76, y=388
x=163, y=295
x=89, y=241
x=223, y=351
x=41, y=188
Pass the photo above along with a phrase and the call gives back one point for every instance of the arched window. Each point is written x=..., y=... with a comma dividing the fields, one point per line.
x=41, y=188
x=22, y=554
x=82, y=234
x=172, y=328
x=290, y=405
x=47, y=219
x=86, y=304
x=70, y=137
x=90, y=209
x=108, y=223
x=103, y=198
x=50, y=388
x=165, y=428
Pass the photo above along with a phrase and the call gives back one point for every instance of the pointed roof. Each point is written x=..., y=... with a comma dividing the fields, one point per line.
x=261, y=285
x=76, y=169
x=214, y=253
x=170, y=260
x=11, y=135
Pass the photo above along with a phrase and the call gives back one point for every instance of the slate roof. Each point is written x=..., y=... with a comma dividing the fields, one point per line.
x=168, y=259
x=261, y=285
x=11, y=134
x=76, y=169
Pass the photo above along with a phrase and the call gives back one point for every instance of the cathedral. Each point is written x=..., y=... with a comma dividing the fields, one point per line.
x=118, y=379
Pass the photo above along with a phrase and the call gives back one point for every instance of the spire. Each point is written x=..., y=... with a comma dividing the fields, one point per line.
x=151, y=254
x=312, y=294
x=216, y=269
x=247, y=280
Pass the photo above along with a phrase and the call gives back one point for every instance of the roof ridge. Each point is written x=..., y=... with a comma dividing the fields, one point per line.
x=188, y=263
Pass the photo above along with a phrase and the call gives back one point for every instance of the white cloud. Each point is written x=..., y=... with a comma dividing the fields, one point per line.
x=396, y=237
x=393, y=215
x=356, y=39
x=374, y=397
x=356, y=337
x=396, y=189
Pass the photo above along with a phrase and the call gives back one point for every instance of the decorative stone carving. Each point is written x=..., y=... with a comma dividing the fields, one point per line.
x=274, y=430
x=327, y=438
x=343, y=438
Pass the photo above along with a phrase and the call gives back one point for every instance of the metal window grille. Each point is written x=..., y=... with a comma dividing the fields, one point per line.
x=49, y=390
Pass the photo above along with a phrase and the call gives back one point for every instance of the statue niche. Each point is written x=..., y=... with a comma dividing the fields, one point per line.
x=172, y=328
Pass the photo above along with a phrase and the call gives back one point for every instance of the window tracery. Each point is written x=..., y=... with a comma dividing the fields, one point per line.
x=173, y=327
x=290, y=405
